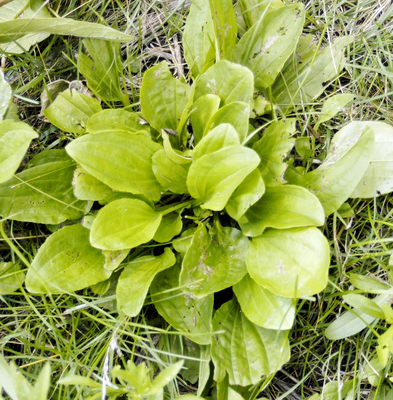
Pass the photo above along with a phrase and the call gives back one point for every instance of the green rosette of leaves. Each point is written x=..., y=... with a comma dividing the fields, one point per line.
x=192, y=198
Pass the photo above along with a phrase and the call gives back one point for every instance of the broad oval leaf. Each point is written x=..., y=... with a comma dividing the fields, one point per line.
x=244, y=350
x=236, y=114
x=290, y=262
x=42, y=194
x=214, y=177
x=124, y=224
x=15, y=29
x=163, y=98
x=5, y=95
x=215, y=260
x=230, y=82
x=273, y=148
x=115, y=120
x=15, y=138
x=121, y=161
x=171, y=175
x=70, y=111
x=264, y=308
x=66, y=262
x=282, y=207
x=135, y=280
x=170, y=226
x=182, y=310
x=222, y=136
x=336, y=178
x=268, y=44
x=377, y=179
x=246, y=194
x=198, y=38
x=182, y=243
x=202, y=110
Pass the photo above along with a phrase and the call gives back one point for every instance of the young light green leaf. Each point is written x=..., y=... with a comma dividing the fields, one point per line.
x=236, y=114
x=11, y=277
x=265, y=47
x=245, y=195
x=263, y=307
x=18, y=387
x=15, y=29
x=300, y=81
x=225, y=26
x=273, y=148
x=5, y=95
x=283, y=207
x=12, y=112
x=124, y=224
x=48, y=156
x=385, y=346
x=198, y=38
x=332, y=106
x=336, y=178
x=70, y=111
x=364, y=304
x=290, y=262
x=214, y=177
x=66, y=262
x=15, y=138
x=182, y=243
x=214, y=261
x=79, y=380
x=103, y=72
x=204, y=368
x=367, y=283
x=135, y=280
x=181, y=310
x=113, y=258
x=163, y=98
x=175, y=155
x=115, y=120
x=170, y=175
x=42, y=194
x=167, y=375
x=203, y=109
x=349, y=323
x=121, y=161
x=21, y=9
x=245, y=351
x=87, y=187
x=223, y=135
x=253, y=9
x=230, y=82
x=170, y=226
x=377, y=178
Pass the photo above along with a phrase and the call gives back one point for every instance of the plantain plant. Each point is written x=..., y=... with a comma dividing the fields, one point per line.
x=190, y=201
